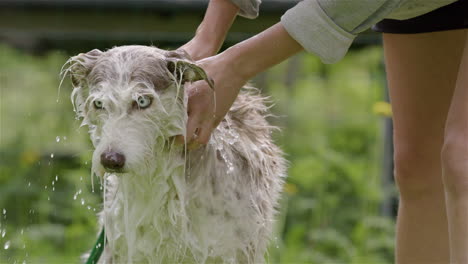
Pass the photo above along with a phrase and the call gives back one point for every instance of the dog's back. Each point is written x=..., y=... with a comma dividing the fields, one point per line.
x=215, y=204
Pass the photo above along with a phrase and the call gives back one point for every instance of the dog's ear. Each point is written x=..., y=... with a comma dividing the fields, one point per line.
x=179, y=63
x=79, y=69
x=81, y=65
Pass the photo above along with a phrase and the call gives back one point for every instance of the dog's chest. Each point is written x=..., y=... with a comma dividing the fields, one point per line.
x=177, y=218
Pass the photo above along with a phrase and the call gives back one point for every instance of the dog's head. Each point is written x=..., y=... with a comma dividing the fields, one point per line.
x=132, y=100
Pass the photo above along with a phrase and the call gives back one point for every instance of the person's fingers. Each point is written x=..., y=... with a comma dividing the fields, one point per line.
x=204, y=134
x=201, y=136
x=194, y=145
x=192, y=124
x=179, y=139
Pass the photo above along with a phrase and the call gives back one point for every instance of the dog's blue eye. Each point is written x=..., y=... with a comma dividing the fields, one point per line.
x=143, y=101
x=98, y=104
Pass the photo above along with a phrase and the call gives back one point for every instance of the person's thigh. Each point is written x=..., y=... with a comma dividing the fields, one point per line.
x=455, y=164
x=456, y=132
x=421, y=72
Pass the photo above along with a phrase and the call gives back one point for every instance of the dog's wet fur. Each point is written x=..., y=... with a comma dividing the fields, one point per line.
x=163, y=203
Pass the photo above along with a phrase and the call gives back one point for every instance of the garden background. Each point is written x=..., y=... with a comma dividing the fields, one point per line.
x=338, y=202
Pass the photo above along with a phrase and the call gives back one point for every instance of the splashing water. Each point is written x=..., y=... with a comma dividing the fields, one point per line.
x=7, y=245
x=76, y=194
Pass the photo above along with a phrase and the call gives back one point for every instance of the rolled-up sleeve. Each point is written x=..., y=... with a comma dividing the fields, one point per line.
x=328, y=27
x=248, y=8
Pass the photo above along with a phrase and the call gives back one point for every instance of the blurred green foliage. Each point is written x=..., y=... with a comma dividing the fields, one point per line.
x=330, y=212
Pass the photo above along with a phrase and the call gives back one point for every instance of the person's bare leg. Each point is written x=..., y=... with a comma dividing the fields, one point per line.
x=455, y=164
x=421, y=72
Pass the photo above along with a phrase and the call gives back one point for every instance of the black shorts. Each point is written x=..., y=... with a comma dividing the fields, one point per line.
x=449, y=17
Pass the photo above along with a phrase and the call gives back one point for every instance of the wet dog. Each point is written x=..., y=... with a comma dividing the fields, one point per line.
x=162, y=203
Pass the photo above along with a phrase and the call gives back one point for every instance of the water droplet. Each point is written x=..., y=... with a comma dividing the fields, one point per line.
x=82, y=201
x=57, y=139
x=52, y=155
x=4, y=211
x=76, y=194
x=7, y=245
x=53, y=189
x=64, y=138
x=3, y=233
x=89, y=207
x=45, y=187
x=29, y=184
x=48, y=198
x=56, y=177
x=81, y=179
x=22, y=231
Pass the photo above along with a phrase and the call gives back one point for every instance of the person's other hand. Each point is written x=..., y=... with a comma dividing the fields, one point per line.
x=211, y=33
x=197, y=49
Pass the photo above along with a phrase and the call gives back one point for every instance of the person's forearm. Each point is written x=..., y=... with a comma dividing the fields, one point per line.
x=211, y=33
x=261, y=52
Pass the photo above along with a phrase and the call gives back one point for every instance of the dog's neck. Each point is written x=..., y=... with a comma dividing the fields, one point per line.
x=147, y=212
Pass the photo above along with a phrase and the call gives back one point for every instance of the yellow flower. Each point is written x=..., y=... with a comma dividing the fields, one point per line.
x=30, y=156
x=382, y=109
x=290, y=188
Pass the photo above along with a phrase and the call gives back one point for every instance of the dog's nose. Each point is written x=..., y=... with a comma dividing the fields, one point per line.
x=112, y=160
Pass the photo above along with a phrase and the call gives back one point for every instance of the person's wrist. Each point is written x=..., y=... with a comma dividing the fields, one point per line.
x=199, y=49
x=240, y=63
x=209, y=43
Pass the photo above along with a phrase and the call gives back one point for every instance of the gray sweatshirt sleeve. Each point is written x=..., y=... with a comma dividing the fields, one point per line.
x=328, y=27
x=248, y=8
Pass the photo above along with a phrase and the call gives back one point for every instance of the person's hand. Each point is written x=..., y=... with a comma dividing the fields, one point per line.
x=207, y=108
x=230, y=70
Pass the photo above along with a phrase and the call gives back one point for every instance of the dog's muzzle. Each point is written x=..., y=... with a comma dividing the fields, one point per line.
x=113, y=161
